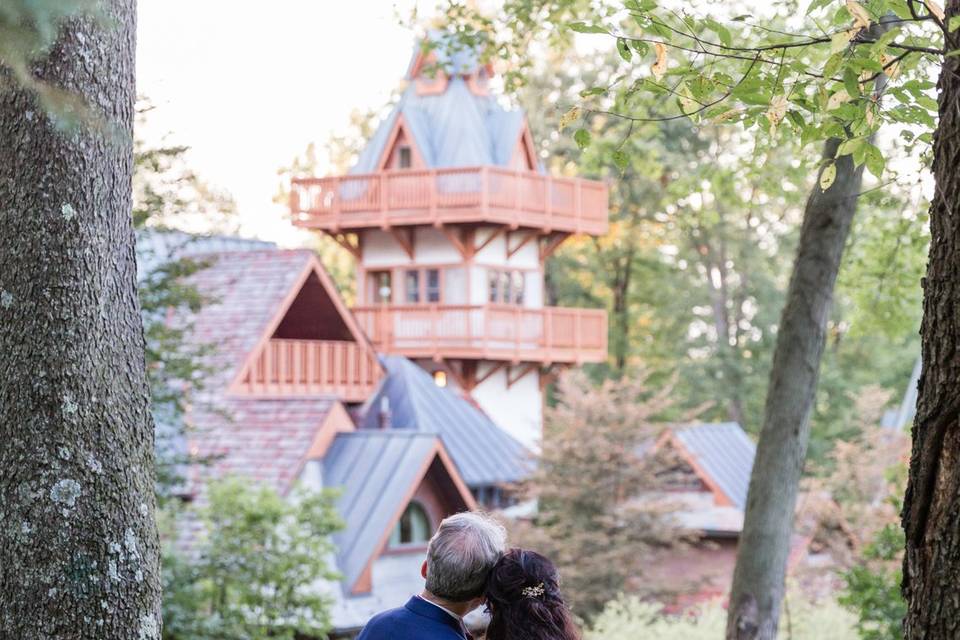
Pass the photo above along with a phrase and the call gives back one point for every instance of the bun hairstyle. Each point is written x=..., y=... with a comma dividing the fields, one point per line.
x=524, y=600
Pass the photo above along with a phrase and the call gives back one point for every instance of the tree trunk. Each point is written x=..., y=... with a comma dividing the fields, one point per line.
x=931, y=509
x=78, y=541
x=758, y=582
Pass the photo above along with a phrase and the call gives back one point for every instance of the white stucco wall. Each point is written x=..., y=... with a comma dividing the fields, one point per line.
x=381, y=249
x=495, y=253
x=518, y=410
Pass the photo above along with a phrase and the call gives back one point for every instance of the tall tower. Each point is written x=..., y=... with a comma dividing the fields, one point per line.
x=451, y=217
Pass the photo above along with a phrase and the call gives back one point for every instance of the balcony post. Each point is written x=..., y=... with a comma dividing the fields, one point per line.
x=382, y=196
x=578, y=333
x=548, y=201
x=578, y=204
x=484, y=189
x=518, y=197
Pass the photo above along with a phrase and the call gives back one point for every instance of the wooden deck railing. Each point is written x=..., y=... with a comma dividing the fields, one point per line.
x=446, y=196
x=302, y=367
x=494, y=332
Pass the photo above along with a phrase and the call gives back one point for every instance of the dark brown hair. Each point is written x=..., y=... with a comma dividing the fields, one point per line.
x=524, y=600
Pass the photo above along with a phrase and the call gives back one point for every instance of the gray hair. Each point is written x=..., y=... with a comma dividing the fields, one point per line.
x=461, y=554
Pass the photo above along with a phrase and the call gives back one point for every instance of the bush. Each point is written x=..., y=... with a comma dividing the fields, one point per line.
x=255, y=572
x=629, y=618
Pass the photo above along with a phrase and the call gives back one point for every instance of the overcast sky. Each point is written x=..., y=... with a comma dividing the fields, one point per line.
x=248, y=84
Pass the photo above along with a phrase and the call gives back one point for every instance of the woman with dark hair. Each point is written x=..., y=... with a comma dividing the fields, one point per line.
x=524, y=600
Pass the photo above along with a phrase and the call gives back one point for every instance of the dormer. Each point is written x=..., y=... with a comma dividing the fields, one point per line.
x=311, y=346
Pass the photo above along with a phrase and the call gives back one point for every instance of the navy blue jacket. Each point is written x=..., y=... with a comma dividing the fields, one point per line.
x=416, y=620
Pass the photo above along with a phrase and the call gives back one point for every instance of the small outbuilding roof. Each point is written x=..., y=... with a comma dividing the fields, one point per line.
x=484, y=453
x=722, y=454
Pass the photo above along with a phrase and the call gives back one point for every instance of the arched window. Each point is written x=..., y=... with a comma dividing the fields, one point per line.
x=412, y=528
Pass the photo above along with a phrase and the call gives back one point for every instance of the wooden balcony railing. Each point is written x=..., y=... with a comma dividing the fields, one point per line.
x=447, y=196
x=303, y=367
x=489, y=332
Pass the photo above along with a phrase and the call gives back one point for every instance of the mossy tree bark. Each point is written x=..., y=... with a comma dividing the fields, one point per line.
x=78, y=540
x=931, y=510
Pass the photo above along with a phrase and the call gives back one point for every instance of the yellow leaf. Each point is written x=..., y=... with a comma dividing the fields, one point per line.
x=659, y=67
x=569, y=117
x=861, y=19
x=777, y=109
x=727, y=115
x=839, y=40
x=827, y=176
x=891, y=68
x=838, y=99
x=935, y=9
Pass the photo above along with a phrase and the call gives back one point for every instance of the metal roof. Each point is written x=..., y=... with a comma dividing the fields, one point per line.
x=375, y=471
x=453, y=129
x=484, y=453
x=725, y=453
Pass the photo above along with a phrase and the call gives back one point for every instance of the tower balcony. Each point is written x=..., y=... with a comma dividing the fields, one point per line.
x=462, y=195
x=487, y=332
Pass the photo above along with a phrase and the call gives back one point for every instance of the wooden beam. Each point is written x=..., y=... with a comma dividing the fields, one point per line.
x=512, y=380
x=343, y=240
x=407, y=243
x=493, y=236
x=493, y=370
x=552, y=242
x=469, y=374
x=456, y=240
x=511, y=251
x=456, y=375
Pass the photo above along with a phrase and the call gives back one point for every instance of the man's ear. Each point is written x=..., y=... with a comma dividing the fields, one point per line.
x=423, y=570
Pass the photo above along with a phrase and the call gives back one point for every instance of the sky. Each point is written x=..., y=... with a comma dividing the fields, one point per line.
x=247, y=85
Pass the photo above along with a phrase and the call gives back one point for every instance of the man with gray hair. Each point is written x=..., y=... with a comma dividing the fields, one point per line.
x=459, y=558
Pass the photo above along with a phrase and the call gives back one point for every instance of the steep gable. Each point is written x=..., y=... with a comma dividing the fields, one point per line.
x=379, y=473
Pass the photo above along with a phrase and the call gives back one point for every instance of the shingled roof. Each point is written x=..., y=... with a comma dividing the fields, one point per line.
x=484, y=453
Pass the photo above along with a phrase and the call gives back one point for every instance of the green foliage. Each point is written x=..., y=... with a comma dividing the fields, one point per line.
x=630, y=618
x=873, y=588
x=590, y=483
x=168, y=195
x=714, y=213
x=254, y=574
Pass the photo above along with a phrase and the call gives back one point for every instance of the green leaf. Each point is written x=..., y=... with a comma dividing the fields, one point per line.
x=621, y=159
x=582, y=138
x=624, y=50
x=827, y=176
x=583, y=27
x=592, y=91
x=874, y=160
x=951, y=27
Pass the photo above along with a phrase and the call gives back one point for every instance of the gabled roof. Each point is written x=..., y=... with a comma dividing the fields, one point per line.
x=484, y=453
x=455, y=128
x=250, y=292
x=721, y=454
x=378, y=472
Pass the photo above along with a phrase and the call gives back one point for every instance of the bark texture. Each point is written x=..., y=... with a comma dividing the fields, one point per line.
x=78, y=540
x=931, y=510
x=758, y=582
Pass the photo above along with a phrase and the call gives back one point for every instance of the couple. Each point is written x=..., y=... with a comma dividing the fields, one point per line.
x=468, y=565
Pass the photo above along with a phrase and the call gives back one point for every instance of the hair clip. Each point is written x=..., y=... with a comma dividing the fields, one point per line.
x=533, y=592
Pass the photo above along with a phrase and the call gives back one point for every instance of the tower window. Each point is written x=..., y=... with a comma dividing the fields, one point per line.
x=404, y=157
x=413, y=528
x=411, y=286
x=433, y=285
x=506, y=286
